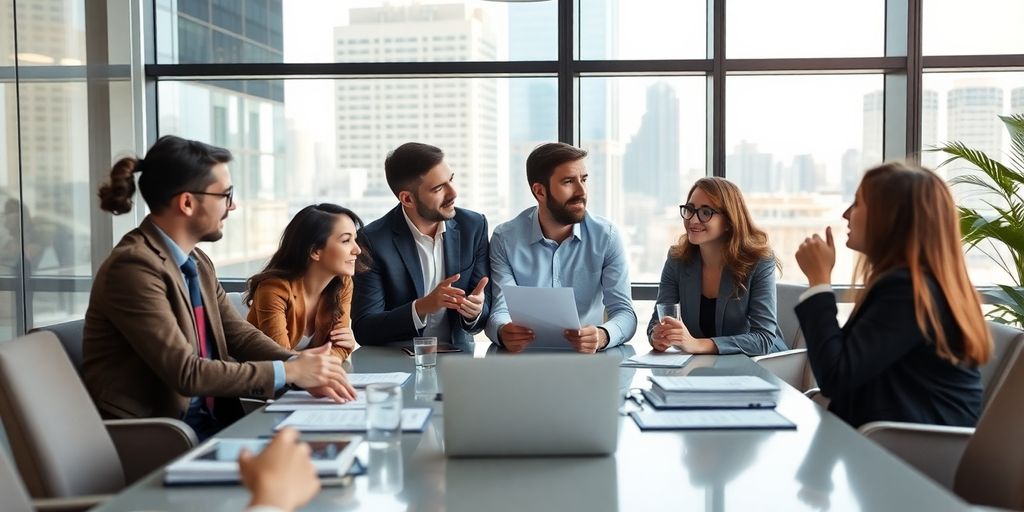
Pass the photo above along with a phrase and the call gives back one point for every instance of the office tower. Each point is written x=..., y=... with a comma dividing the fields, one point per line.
x=751, y=169
x=533, y=102
x=650, y=164
x=244, y=116
x=851, y=173
x=802, y=176
x=872, y=151
x=1017, y=101
x=460, y=116
x=972, y=111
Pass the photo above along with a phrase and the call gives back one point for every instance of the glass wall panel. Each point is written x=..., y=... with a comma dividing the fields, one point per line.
x=979, y=27
x=212, y=31
x=965, y=107
x=797, y=146
x=327, y=140
x=804, y=28
x=647, y=142
x=641, y=29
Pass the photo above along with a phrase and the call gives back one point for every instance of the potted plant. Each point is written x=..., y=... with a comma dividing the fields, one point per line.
x=997, y=231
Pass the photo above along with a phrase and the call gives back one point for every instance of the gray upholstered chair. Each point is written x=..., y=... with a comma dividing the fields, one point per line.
x=70, y=336
x=789, y=365
x=15, y=497
x=984, y=465
x=60, y=444
x=238, y=301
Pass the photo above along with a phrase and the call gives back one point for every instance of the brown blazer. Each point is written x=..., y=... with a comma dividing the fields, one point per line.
x=279, y=310
x=141, y=352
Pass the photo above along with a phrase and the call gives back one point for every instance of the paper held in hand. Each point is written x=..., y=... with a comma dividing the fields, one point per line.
x=547, y=311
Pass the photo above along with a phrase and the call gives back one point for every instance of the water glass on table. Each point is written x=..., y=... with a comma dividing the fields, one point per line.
x=425, y=349
x=668, y=310
x=383, y=412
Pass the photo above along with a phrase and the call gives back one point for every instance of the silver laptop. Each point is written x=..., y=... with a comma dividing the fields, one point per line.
x=526, y=404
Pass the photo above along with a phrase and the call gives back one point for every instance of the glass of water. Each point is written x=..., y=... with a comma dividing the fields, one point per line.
x=383, y=412
x=426, y=351
x=668, y=310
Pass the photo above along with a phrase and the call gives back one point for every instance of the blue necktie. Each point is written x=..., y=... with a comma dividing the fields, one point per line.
x=196, y=298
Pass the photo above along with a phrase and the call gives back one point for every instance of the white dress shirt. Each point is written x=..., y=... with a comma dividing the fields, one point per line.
x=430, y=251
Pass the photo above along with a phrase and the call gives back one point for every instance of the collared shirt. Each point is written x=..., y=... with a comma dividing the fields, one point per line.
x=430, y=251
x=179, y=257
x=592, y=262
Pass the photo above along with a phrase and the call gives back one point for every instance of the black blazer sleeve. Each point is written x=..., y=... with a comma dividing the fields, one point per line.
x=881, y=332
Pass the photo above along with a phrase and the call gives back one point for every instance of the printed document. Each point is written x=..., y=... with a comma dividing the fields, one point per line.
x=547, y=311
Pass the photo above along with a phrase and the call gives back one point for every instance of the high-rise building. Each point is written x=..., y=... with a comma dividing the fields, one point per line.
x=802, y=176
x=750, y=169
x=599, y=112
x=930, y=128
x=972, y=112
x=651, y=161
x=244, y=116
x=457, y=115
x=851, y=173
x=872, y=151
x=1017, y=101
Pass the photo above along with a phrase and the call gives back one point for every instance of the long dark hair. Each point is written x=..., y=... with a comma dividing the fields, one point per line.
x=171, y=166
x=308, y=231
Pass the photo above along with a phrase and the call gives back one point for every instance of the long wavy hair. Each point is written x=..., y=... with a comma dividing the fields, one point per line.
x=745, y=244
x=307, y=232
x=911, y=221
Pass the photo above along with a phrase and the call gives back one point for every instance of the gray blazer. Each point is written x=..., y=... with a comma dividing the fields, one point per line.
x=746, y=324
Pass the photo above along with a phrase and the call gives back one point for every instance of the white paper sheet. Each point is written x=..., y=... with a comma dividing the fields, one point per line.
x=711, y=419
x=296, y=400
x=361, y=380
x=671, y=358
x=547, y=311
x=350, y=420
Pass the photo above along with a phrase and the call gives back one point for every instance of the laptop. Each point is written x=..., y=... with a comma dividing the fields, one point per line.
x=530, y=404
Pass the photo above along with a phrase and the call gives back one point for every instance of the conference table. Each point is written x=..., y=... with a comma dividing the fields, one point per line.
x=822, y=465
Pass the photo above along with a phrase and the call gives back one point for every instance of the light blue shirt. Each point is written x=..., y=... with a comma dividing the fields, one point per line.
x=179, y=257
x=592, y=262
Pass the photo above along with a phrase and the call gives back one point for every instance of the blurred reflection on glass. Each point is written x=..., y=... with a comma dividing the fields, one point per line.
x=386, y=474
x=715, y=461
x=519, y=484
x=426, y=383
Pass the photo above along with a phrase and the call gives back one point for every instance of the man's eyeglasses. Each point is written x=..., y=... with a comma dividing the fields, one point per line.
x=704, y=213
x=228, y=194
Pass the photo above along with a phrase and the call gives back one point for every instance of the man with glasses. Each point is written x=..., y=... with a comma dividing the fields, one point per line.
x=558, y=244
x=160, y=337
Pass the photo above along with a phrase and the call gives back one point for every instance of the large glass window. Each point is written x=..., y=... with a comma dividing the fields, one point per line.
x=981, y=27
x=258, y=31
x=327, y=140
x=647, y=142
x=804, y=28
x=645, y=29
x=796, y=146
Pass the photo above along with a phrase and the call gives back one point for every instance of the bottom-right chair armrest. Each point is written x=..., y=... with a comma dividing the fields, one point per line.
x=934, y=450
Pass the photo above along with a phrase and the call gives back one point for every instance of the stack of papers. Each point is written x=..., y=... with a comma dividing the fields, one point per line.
x=722, y=419
x=349, y=420
x=361, y=380
x=713, y=392
x=216, y=461
x=296, y=400
x=672, y=358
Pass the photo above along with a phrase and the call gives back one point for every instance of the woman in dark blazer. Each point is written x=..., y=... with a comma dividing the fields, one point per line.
x=911, y=349
x=722, y=275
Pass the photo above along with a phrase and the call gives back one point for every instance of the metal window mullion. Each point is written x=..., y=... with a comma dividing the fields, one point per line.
x=716, y=88
x=567, y=90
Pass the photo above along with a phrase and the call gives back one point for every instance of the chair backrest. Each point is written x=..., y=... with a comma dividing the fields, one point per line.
x=787, y=296
x=57, y=437
x=70, y=336
x=15, y=497
x=991, y=469
x=1006, y=342
x=237, y=301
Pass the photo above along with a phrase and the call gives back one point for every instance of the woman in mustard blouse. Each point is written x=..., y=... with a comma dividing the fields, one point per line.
x=303, y=298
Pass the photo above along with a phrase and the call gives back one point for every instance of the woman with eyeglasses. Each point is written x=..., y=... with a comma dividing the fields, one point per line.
x=303, y=298
x=722, y=275
x=912, y=346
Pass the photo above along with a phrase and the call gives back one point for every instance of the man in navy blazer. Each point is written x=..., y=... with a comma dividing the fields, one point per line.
x=430, y=260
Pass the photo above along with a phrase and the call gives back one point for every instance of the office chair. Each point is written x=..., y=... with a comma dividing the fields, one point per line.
x=60, y=444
